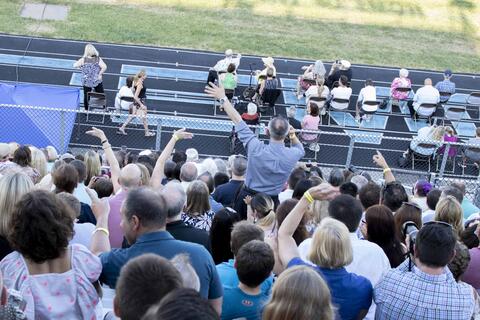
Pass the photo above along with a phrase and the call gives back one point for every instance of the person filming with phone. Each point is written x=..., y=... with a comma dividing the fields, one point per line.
x=339, y=68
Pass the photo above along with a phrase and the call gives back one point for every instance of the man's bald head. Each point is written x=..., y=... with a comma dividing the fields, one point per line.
x=428, y=82
x=130, y=176
x=188, y=172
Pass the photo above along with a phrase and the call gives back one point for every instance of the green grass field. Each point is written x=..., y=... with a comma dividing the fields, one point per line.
x=432, y=34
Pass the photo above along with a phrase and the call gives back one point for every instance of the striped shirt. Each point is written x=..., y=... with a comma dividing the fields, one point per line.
x=445, y=86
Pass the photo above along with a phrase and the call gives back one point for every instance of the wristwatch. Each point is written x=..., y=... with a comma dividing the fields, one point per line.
x=223, y=100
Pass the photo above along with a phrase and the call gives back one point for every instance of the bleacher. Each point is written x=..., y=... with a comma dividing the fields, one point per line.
x=176, y=79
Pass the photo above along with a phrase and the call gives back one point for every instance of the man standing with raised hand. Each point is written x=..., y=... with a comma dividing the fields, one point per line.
x=269, y=165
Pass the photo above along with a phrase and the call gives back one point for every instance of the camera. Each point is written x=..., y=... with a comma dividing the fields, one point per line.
x=410, y=228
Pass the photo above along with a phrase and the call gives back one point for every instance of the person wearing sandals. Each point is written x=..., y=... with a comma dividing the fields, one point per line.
x=92, y=67
x=138, y=108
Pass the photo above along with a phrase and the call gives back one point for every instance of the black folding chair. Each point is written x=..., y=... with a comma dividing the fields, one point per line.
x=97, y=102
x=473, y=100
x=421, y=157
x=428, y=108
x=340, y=105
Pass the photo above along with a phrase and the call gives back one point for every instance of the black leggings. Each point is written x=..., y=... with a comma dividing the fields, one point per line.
x=86, y=90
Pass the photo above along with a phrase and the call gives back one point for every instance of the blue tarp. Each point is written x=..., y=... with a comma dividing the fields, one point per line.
x=38, y=127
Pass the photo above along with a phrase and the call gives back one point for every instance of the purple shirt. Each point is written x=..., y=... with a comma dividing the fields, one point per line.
x=116, y=233
x=472, y=274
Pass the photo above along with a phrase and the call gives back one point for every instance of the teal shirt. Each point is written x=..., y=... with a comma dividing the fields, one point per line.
x=228, y=277
x=237, y=304
x=468, y=208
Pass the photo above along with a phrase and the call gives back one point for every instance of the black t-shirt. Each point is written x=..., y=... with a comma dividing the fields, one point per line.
x=335, y=76
x=180, y=231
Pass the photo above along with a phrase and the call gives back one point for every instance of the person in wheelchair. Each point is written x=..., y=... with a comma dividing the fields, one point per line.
x=270, y=83
x=222, y=65
x=124, y=92
x=310, y=75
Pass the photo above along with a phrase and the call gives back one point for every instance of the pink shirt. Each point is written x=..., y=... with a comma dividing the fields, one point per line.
x=471, y=275
x=310, y=123
x=68, y=295
x=400, y=83
x=116, y=233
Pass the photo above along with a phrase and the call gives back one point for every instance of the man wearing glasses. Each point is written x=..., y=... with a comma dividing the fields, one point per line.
x=429, y=290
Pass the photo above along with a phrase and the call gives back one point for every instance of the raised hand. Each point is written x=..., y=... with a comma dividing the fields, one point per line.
x=214, y=91
x=182, y=134
x=379, y=160
x=97, y=133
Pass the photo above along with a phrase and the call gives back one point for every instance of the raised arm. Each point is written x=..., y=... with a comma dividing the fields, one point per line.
x=379, y=160
x=219, y=93
x=109, y=155
x=158, y=172
x=287, y=248
x=100, y=238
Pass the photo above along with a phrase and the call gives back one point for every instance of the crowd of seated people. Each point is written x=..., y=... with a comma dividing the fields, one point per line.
x=257, y=237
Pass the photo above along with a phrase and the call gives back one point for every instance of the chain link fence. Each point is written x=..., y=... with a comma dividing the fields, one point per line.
x=435, y=161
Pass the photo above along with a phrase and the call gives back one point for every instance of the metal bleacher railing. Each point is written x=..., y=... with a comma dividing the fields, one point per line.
x=65, y=129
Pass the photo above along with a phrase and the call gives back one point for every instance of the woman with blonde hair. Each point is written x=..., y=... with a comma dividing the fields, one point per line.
x=92, y=67
x=138, y=108
x=12, y=187
x=427, y=135
x=39, y=162
x=449, y=210
x=198, y=212
x=145, y=174
x=330, y=252
x=299, y=293
x=260, y=211
x=92, y=164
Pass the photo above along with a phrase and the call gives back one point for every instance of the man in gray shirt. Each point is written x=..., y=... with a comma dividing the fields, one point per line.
x=269, y=165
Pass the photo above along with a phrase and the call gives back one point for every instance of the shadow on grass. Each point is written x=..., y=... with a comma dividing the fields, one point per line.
x=388, y=6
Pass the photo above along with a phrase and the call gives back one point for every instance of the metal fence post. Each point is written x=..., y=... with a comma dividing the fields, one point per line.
x=62, y=131
x=158, y=138
x=350, y=151
x=444, y=160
